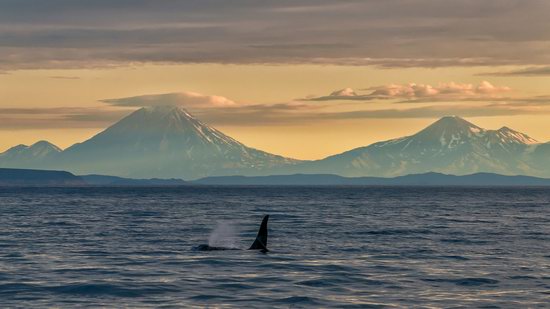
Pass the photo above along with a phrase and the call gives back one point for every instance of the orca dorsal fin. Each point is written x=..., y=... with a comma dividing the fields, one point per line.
x=260, y=243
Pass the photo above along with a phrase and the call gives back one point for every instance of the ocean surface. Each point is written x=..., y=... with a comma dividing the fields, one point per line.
x=341, y=247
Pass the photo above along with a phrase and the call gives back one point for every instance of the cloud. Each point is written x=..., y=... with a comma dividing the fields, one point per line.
x=346, y=92
x=486, y=110
x=445, y=91
x=280, y=114
x=398, y=33
x=299, y=112
x=220, y=110
x=64, y=77
x=263, y=115
x=343, y=94
x=531, y=71
x=534, y=101
x=217, y=110
x=186, y=99
x=420, y=92
x=58, y=118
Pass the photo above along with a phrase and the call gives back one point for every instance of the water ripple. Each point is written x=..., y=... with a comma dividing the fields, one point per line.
x=339, y=247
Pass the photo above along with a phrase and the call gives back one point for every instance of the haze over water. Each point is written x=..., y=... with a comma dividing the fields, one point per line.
x=330, y=247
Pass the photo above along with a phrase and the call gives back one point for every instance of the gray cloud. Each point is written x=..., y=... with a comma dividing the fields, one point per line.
x=439, y=111
x=288, y=114
x=392, y=33
x=220, y=110
x=259, y=115
x=479, y=100
x=531, y=71
x=535, y=101
x=299, y=113
x=57, y=118
x=64, y=77
x=217, y=110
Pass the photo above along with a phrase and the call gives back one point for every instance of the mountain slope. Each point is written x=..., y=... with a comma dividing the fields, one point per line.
x=451, y=145
x=36, y=155
x=165, y=142
x=539, y=157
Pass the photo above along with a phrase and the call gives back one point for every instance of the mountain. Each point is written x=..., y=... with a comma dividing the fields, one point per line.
x=427, y=179
x=451, y=145
x=165, y=142
x=27, y=177
x=35, y=155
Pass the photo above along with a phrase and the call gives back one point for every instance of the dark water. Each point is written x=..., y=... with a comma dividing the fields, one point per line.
x=330, y=247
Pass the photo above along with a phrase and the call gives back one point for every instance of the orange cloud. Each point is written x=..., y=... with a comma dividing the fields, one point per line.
x=452, y=89
x=414, y=91
x=186, y=99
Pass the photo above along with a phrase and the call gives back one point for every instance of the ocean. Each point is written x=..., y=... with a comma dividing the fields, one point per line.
x=340, y=247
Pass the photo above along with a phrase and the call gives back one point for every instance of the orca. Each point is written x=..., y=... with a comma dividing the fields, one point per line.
x=260, y=243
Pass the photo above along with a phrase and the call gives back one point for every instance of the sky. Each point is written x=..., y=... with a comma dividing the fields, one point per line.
x=304, y=79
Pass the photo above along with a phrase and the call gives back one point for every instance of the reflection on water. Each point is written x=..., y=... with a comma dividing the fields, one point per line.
x=330, y=247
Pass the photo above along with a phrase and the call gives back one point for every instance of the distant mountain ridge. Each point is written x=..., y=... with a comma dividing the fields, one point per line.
x=427, y=179
x=40, y=178
x=167, y=142
x=102, y=180
x=27, y=177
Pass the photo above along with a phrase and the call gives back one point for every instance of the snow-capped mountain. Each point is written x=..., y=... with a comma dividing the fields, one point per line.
x=165, y=142
x=451, y=145
x=36, y=155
